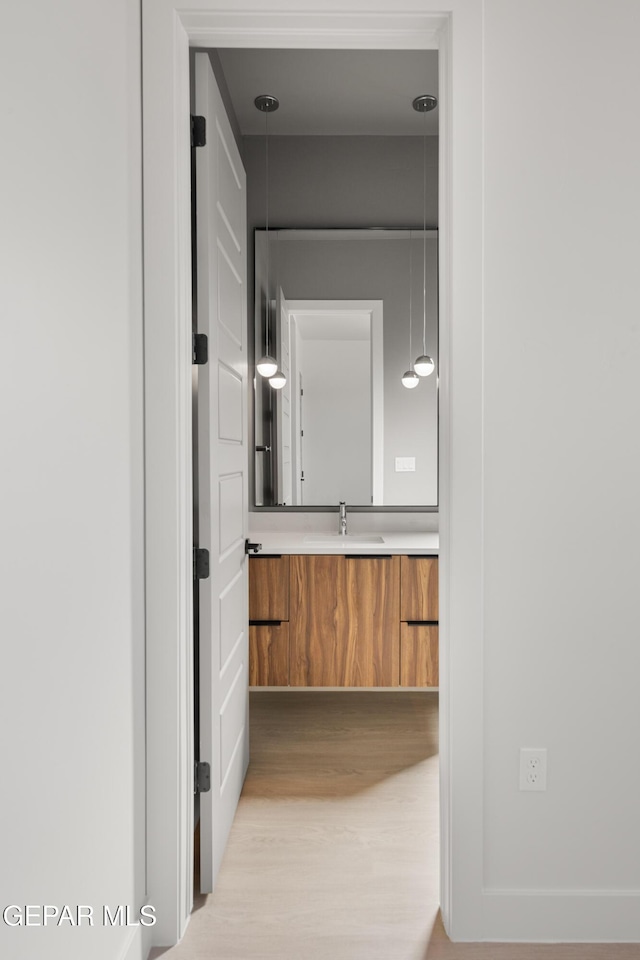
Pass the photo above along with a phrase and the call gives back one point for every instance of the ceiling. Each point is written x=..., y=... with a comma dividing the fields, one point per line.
x=333, y=92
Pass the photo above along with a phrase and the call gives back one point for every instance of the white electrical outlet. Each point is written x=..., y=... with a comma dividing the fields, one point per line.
x=533, y=768
x=405, y=464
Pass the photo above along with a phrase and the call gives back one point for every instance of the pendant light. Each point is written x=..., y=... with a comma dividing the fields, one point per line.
x=278, y=380
x=267, y=366
x=424, y=365
x=410, y=378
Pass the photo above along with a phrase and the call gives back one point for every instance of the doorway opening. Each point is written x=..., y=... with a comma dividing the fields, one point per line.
x=168, y=32
x=306, y=333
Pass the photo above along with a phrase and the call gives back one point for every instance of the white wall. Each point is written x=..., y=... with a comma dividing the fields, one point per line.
x=561, y=416
x=71, y=683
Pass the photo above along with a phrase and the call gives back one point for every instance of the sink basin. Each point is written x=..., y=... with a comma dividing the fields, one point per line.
x=335, y=539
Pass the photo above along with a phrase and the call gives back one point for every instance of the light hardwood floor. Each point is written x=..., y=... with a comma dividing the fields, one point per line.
x=333, y=854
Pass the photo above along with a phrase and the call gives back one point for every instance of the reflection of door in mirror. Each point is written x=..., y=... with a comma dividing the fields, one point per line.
x=336, y=350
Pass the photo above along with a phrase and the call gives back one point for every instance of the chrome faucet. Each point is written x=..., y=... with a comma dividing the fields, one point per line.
x=342, y=527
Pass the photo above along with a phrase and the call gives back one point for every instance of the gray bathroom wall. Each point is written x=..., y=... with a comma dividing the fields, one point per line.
x=341, y=181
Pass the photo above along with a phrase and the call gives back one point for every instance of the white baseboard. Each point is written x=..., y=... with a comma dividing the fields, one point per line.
x=561, y=916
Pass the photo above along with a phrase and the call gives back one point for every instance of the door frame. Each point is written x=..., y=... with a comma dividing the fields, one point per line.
x=169, y=28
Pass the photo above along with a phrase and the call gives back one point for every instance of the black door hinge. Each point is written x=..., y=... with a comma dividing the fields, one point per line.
x=200, y=348
x=201, y=777
x=198, y=131
x=200, y=563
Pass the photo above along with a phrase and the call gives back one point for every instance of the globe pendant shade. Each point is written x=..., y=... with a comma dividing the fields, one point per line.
x=278, y=380
x=266, y=366
x=424, y=365
x=410, y=379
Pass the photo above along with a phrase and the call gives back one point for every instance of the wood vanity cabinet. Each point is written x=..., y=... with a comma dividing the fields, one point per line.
x=345, y=629
x=269, y=621
x=343, y=621
x=418, y=655
x=269, y=654
x=419, y=589
x=419, y=628
x=269, y=588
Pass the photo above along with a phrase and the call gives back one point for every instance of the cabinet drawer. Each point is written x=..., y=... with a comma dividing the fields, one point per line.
x=344, y=621
x=419, y=588
x=269, y=588
x=269, y=655
x=418, y=655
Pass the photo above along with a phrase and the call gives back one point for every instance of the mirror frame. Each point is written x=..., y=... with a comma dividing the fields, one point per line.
x=252, y=329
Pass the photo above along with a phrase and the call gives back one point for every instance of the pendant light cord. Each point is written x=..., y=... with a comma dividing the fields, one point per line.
x=266, y=168
x=410, y=302
x=424, y=236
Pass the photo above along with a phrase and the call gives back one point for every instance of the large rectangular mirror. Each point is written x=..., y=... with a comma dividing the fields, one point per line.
x=333, y=307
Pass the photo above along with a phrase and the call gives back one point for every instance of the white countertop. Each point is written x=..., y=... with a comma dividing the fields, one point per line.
x=363, y=544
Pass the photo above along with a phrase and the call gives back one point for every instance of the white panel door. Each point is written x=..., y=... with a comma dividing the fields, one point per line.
x=222, y=470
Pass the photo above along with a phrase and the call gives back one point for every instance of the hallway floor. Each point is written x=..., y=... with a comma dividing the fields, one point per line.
x=333, y=854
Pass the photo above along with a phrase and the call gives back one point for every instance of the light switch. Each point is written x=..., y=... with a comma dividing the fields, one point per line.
x=405, y=464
